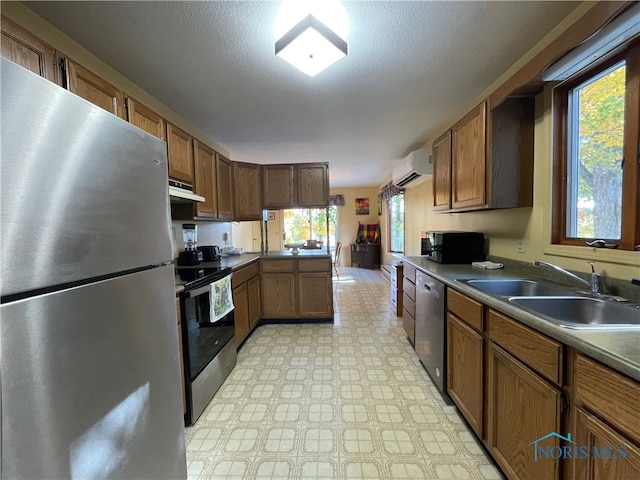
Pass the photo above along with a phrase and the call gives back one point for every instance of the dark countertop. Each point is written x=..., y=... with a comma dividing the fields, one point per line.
x=238, y=261
x=618, y=349
x=315, y=253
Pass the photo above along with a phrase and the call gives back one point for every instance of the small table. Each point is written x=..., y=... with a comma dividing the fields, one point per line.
x=365, y=255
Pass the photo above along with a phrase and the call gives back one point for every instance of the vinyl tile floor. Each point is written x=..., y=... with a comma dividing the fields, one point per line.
x=348, y=400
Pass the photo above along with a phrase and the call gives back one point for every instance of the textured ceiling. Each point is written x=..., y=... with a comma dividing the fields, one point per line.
x=411, y=67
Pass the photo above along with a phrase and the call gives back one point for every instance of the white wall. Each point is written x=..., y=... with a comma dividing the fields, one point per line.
x=209, y=233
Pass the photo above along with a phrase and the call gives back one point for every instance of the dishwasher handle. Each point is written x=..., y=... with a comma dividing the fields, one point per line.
x=428, y=283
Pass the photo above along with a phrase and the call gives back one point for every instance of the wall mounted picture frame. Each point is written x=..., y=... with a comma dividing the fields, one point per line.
x=362, y=206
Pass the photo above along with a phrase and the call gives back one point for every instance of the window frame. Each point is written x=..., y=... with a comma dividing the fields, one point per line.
x=390, y=250
x=630, y=216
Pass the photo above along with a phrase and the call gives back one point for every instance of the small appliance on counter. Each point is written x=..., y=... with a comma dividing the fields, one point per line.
x=210, y=253
x=453, y=246
x=191, y=255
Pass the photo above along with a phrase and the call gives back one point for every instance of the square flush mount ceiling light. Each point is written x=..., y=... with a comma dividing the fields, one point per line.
x=311, y=46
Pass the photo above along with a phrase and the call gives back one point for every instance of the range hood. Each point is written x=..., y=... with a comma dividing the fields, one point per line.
x=181, y=192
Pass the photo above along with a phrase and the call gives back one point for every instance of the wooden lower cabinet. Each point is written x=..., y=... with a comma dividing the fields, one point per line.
x=606, y=420
x=245, y=284
x=278, y=295
x=621, y=459
x=297, y=288
x=521, y=408
x=409, y=302
x=184, y=394
x=396, y=278
x=465, y=371
x=315, y=294
x=241, y=312
x=255, y=301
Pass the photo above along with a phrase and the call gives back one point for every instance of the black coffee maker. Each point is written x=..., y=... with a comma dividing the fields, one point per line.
x=191, y=255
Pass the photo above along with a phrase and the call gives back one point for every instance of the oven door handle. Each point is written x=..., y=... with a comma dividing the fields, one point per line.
x=198, y=291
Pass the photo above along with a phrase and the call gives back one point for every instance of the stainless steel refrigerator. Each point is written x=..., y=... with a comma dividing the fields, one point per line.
x=89, y=344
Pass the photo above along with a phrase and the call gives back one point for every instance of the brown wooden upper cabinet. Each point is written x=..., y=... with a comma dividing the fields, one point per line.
x=247, y=191
x=205, y=181
x=277, y=184
x=468, y=159
x=224, y=187
x=312, y=185
x=145, y=118
x=491, y=159
x=94, y=89
x=442, y=172
x=28, y=51
x=180, y=153
x=299, y=185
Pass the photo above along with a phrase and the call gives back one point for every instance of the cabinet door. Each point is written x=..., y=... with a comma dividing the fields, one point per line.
x=184, y=395
x=278, y=295
x=28, y=51
x=204, y=163
x=521, y=408
x=224, y=187
x=442, y=172
x=241, y=312
x=146, y=119
x=312, y=185
x=255, y=303
x=247, y=192
x=277, y=184
x=315, y=295
x=596, y=435
x=468, y=160
x=408, y=320
x=94, y=89
x=180, y=152
x=465, y=373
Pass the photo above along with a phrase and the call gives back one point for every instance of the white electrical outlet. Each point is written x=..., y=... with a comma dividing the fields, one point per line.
x=522, y=246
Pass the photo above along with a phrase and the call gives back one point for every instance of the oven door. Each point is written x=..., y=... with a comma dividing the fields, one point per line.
x=202, y=338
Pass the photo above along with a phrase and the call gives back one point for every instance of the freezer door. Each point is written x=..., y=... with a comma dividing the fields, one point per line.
x=82, y=192
x=91, y=382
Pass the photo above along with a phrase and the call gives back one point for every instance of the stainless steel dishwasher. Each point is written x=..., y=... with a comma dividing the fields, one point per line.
x=430, y=336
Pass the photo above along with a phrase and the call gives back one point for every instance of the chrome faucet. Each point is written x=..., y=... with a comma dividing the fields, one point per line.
x=594, y=278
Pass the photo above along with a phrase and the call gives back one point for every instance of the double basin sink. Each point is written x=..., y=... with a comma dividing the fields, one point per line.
x=561, y=305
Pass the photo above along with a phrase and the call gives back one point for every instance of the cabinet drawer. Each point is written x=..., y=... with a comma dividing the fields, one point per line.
x=539, y=352
x=409, y=272
x=612, y=395
x=409, y=288
x=409, y=325
x=316, y=265
x=243, y=274
x=277, y=266
x=466, y=309
x=409, y=305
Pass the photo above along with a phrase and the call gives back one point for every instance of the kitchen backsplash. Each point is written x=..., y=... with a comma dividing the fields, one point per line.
x=209, y=233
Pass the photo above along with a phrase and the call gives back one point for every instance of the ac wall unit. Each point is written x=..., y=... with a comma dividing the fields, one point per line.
x=414, y=168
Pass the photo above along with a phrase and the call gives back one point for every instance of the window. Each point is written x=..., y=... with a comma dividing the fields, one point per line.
x=304, y=224
x=596, y=172
x=396, y=224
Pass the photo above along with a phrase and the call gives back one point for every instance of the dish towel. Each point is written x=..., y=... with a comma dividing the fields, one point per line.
x=488, y=265
x=221, y=299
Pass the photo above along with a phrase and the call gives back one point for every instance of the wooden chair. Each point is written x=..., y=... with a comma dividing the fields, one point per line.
x=336, y=258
